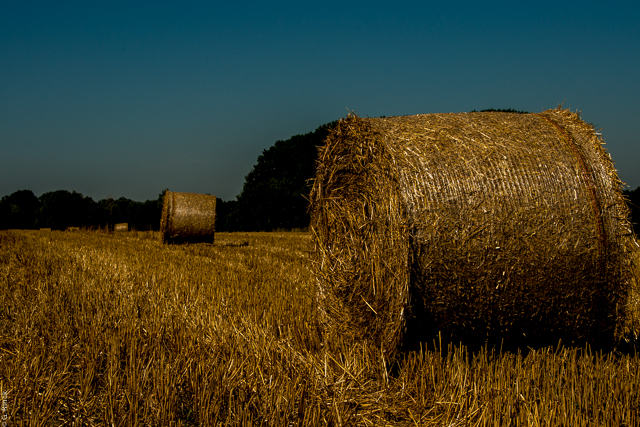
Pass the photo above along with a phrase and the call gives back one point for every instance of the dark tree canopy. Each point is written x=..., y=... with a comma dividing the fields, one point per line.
x=633, y=197
x=61, y=209
x=501, y=110
x=275, y=192
x=274, y=196
x=18, y=210
x=227, y=216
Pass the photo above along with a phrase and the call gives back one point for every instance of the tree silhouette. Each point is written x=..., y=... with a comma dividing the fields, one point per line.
x=501, y=110
x=633, y=198
x=275, y=192
x=61, y=209
x=18, y=210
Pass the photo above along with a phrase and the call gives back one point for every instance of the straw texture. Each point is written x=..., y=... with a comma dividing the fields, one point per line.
x=123, y=226
x=188, y=217
x=486, y=225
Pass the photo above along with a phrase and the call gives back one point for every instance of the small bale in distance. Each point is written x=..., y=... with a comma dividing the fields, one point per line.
x=188, y=218
x=495, y=226
x=123, y=226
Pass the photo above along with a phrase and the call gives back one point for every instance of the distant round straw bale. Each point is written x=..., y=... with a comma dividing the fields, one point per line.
x=123, y=226
x=486, y=225
x=188, y=217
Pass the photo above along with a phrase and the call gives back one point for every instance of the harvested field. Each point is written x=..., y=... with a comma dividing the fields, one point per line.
x=118, y=329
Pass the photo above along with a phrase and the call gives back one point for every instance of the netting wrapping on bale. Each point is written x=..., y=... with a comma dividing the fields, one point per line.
x=188, y=217
x=493, y=225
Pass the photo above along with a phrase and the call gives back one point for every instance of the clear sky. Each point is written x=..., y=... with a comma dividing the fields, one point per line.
x=116, y=99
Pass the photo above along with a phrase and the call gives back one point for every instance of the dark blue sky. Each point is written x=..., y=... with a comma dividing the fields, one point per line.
x=128, y=98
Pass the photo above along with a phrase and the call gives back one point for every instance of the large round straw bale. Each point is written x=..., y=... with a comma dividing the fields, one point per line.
x=188, y=217
x=487, y=225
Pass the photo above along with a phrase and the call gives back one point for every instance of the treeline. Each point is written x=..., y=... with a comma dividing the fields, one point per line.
x=501, y=110
x=275, y=192
x=264, y=206
x=633, y=198
x=274, y=196
x=61, y=209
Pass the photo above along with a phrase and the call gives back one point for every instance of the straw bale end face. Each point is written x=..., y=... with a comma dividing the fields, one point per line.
x=361, y=238
x=488, y=225
x=188, y=218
